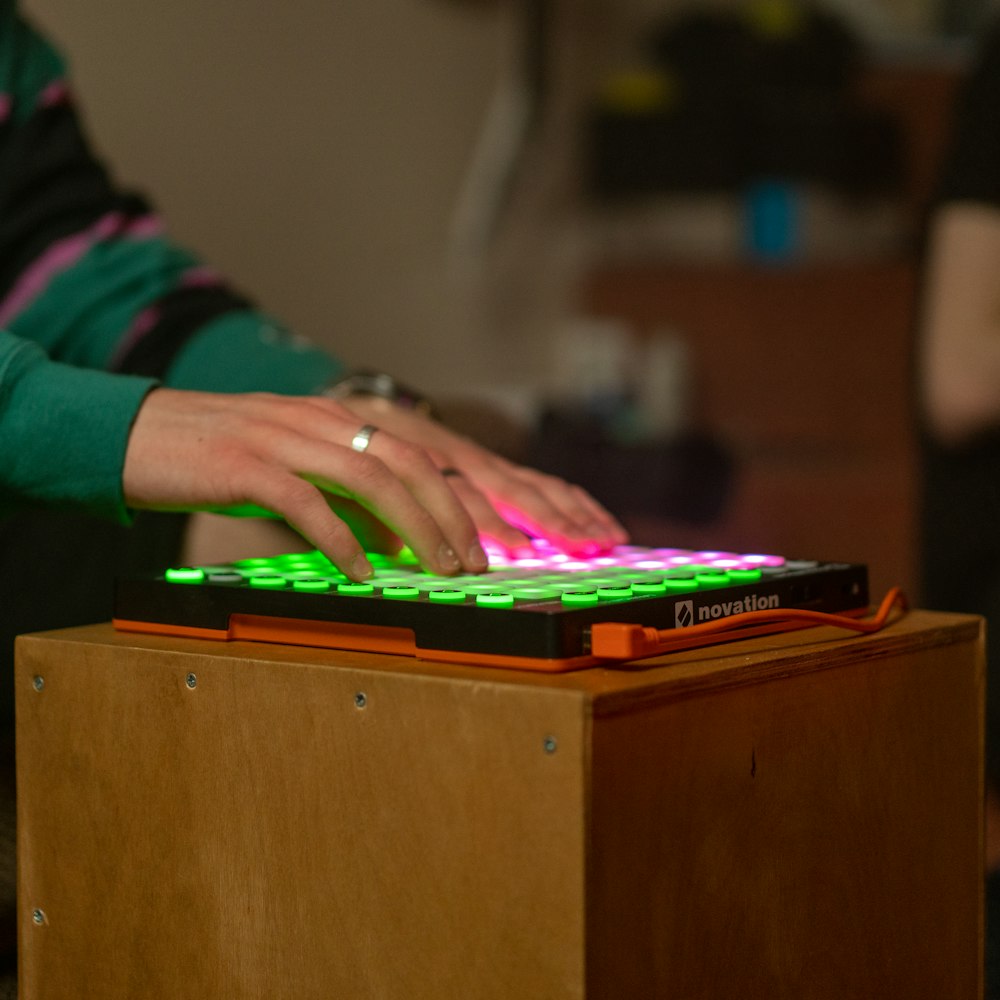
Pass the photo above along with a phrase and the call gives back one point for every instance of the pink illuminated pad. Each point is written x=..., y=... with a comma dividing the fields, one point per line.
x=534, y=608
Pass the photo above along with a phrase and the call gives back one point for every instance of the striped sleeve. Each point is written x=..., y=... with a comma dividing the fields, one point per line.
x=87, y=271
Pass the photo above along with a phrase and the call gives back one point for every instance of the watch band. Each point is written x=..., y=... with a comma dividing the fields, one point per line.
x=381, y=385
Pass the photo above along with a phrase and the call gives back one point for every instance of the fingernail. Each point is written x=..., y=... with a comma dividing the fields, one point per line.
x=448, y=559
x=477, y=555
x=361, y=568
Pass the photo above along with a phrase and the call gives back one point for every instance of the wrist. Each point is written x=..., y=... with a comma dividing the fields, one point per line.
x=378, y=386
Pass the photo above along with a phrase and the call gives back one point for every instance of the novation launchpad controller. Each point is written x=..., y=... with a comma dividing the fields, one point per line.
x=541, y=611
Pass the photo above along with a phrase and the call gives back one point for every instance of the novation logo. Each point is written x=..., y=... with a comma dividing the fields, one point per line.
x=683, y=614
x=684, y=610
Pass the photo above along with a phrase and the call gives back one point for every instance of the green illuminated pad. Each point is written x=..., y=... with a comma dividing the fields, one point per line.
x=546, y=578
x=541, y=604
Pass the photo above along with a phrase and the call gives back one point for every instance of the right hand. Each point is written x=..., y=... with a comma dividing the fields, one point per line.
x=292, y=455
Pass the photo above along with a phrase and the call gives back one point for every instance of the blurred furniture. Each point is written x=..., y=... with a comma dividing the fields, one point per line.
x=805, y=369
x=799, y=815
x=804, y=372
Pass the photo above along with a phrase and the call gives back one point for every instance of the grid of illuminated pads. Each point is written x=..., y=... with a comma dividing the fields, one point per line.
x=543, y=576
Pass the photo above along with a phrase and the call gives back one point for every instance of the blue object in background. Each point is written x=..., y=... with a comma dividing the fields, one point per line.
x=772, y=221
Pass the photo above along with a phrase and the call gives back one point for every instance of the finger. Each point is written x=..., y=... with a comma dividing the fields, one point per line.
x=418, y=472
x=422, y=477
x=303, y=506
x=576, y=504
x=538, y=503
x=519, y=501
x=487, y=520
x=366, y=478
x=542, y=504
x=370, y=532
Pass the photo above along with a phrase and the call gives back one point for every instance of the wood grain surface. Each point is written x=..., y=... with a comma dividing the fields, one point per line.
x=793, y=816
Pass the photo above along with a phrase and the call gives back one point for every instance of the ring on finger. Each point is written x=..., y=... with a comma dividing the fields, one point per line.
x=363, y=438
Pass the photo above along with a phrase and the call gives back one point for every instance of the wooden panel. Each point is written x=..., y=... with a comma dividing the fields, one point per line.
x=788, y=816
x=617, y=688
x=818, y=835
x=261, y=836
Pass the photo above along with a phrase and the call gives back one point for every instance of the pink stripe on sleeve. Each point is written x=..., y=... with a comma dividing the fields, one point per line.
x=57, y=92
x=64, y=253
x=194, y=277
x=201, y=277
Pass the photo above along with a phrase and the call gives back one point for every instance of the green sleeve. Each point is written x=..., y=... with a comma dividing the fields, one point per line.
x=63, y=431
x=248, y=352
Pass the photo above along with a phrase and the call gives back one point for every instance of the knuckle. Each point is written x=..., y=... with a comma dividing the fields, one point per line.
x=547, y=480
x=335, y=408
x=263, y=399
x=412, y=459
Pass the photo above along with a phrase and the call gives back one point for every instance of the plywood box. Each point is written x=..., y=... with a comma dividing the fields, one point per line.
x=791, y=817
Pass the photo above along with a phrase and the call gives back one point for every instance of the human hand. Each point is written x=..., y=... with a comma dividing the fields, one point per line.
x=292, y=455
x=500, y=496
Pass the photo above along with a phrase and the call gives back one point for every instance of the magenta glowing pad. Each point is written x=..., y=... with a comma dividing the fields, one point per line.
x=534, y=611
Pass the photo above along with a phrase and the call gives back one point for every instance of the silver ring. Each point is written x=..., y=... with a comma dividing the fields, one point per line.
x=363, y=438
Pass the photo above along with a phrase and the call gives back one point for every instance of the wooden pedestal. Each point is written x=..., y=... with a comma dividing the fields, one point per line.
x=792, y=817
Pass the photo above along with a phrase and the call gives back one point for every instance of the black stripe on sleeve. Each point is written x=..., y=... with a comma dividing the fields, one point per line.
x=181, y=314
x=51, y=186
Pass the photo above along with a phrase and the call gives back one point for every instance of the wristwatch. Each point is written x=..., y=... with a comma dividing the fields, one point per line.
x=381, y=385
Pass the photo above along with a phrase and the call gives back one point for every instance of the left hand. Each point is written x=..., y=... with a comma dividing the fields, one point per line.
x=501, y=497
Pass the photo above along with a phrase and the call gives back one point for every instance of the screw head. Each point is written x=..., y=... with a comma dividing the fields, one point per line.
x=360, y=700
x=549, y=744
x=38, y=917
x=38, y=682
x=191, y=680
